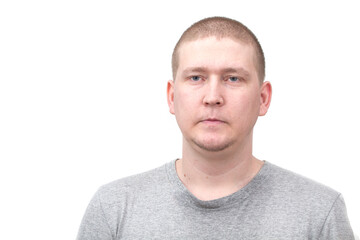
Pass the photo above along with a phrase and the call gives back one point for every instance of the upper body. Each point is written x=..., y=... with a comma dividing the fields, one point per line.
x=217, y=94
x=275, y=204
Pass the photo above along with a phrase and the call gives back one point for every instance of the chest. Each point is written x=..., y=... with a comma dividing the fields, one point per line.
x=169, y=220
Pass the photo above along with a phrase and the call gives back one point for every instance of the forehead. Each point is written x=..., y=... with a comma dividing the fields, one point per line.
x=216, y=54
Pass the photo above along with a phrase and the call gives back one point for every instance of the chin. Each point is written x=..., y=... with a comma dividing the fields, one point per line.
x=212, y=146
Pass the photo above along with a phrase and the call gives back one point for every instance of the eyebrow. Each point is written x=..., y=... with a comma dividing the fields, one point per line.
x=238, y=70
x=194, y=69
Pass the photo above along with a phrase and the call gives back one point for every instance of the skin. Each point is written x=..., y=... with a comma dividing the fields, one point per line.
x=216, y=99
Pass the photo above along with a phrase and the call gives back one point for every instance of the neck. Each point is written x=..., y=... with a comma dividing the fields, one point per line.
x=212, y=175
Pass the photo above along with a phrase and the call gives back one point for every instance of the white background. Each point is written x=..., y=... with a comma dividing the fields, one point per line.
x=82, y=98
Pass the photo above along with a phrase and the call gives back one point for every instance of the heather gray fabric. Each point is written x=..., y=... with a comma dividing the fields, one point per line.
x=276, y=204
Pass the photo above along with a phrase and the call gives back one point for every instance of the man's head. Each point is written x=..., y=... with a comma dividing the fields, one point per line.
x=218, y=93
x=221, y=27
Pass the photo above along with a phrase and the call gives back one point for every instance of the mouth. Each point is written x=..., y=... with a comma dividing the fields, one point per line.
x=212, y=121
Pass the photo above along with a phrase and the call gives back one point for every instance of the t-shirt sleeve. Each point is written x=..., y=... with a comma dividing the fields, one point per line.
x=94, y=224
x=337, y=224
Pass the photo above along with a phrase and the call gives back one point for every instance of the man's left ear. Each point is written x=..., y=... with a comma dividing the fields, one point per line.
x=265, y=98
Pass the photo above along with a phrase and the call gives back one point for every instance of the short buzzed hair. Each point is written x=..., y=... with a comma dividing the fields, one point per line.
x=221, y=27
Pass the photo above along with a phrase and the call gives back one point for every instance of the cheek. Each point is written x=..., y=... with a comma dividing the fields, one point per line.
x=184, y=107
x=184, y=101
x=245, y=108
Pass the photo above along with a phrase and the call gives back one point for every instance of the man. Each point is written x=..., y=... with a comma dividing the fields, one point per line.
x=218, y=189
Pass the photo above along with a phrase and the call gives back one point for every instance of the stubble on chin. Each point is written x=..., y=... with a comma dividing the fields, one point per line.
x=212, y=147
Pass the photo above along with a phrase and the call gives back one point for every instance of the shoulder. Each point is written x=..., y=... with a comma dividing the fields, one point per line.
x=296, y=200
x=121, y=190
x=313, y=203
x=284, y=178
x=111, y=203
x=302, y=190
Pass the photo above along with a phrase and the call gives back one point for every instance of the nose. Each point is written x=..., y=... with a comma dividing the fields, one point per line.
x=213, y=93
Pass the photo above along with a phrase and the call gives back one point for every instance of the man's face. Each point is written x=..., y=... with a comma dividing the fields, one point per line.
x=216, y=96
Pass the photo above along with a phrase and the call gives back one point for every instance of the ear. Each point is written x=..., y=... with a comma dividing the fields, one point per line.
x=265, y=98
x=170, y=96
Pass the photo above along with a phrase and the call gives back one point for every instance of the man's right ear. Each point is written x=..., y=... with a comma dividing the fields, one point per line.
x=170, y=96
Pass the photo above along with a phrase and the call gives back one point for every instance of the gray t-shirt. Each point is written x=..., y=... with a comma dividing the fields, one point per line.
x=276, y=204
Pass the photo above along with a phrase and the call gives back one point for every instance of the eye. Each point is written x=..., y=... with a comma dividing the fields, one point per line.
x=195, y=78
x=233, y=79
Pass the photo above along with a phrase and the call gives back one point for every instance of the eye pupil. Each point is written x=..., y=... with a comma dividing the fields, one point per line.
x=195, y=78
x=233, y=79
